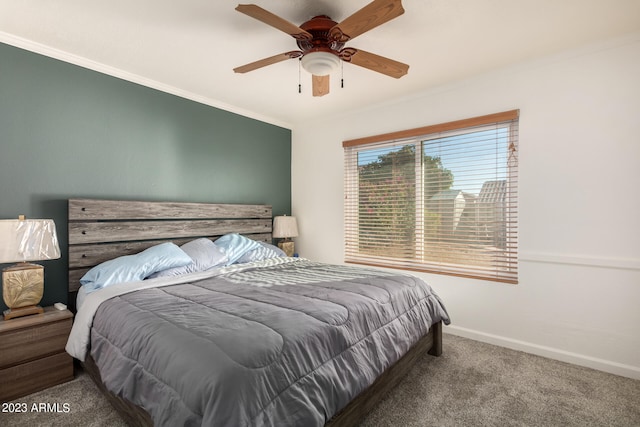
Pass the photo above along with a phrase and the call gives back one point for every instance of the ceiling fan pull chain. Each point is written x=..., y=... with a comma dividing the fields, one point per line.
x=299, y=71
x=342, y=74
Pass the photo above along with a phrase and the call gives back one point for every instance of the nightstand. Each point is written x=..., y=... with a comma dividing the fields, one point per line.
x=32, y=355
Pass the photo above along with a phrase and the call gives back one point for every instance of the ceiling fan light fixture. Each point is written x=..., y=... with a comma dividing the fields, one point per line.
x=320, y=63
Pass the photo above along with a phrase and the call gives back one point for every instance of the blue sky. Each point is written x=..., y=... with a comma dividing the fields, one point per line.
x=473, y=157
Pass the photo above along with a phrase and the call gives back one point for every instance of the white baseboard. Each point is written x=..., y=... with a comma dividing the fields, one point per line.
x=552, y=353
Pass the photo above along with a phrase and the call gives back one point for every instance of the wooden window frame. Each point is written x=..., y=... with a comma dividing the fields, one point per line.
x=410, y=136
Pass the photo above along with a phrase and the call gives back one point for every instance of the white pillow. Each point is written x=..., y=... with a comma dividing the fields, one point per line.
x=205, y=255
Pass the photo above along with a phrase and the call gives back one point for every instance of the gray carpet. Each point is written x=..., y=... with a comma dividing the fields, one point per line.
x=471, y=384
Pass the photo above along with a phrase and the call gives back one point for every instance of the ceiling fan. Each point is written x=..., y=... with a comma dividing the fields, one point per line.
x=321, y=41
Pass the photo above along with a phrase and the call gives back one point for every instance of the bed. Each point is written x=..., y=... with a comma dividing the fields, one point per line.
x=276, y=341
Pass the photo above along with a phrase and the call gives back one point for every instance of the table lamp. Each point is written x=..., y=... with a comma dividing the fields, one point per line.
x=285, y=227
x=23, y=240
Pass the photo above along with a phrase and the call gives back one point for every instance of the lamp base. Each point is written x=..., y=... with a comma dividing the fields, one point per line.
x=22, y=289
x=22, y=311
x=287, y=247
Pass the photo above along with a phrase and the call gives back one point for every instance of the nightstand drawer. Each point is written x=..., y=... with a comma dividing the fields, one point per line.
x=24, y=344
x=34, y=376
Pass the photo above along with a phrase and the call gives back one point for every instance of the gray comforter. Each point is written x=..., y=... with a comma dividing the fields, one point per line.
x=284, y=345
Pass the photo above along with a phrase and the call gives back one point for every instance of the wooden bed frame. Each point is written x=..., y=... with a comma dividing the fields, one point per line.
x=100, y=230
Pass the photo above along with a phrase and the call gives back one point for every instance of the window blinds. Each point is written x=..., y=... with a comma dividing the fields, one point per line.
x=439, y=199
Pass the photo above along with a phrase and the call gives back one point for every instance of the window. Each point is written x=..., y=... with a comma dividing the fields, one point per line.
x=439, y=199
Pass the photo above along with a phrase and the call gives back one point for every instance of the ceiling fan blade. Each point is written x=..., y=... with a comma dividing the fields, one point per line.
x=375, y=13
x=268, y=61
x=320, y=85
x=374, y=62
x=275, y=21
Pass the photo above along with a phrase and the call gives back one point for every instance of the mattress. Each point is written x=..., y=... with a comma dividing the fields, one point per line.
x=281, y=342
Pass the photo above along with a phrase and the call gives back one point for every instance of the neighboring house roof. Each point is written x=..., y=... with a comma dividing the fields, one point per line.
x=453, y=194
x=493, y=191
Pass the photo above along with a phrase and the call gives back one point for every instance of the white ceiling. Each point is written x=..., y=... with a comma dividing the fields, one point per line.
x=189, y=47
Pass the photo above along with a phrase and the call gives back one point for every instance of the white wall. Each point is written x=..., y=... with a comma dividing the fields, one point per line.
x=578, y=298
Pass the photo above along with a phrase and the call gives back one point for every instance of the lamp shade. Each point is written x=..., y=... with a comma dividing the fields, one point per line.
x=285, y=227
x=28, y=240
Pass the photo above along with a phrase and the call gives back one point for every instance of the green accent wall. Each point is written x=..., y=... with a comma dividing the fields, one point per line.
x=66, y=132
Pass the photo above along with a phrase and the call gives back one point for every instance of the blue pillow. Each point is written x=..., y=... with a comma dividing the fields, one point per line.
x=264, y=251
x=235, y=245
x=205, y=255
x=130, y=268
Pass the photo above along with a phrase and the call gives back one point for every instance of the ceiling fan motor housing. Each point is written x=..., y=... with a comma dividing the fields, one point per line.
x=319, y=27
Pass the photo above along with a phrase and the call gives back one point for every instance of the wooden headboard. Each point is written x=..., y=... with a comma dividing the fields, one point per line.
x=100, y=230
